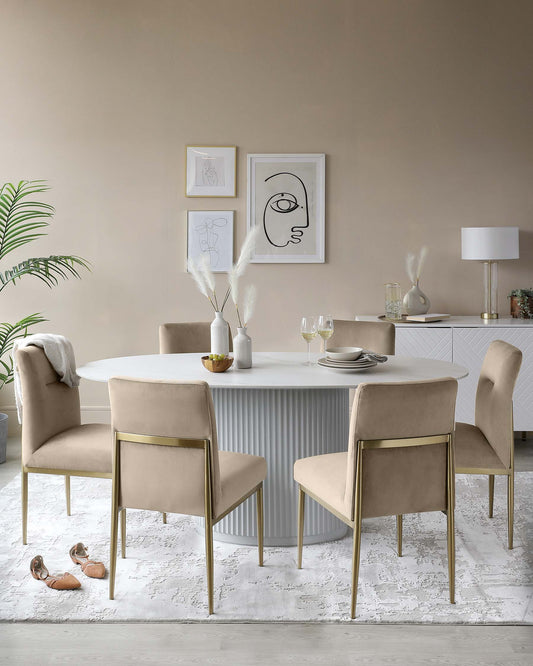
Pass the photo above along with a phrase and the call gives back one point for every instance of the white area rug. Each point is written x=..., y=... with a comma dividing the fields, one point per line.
x=163, y=576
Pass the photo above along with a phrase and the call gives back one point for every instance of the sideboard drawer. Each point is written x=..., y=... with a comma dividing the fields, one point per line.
x=425, y=342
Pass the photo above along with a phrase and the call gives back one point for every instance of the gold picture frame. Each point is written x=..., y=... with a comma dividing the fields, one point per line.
x=211, y=171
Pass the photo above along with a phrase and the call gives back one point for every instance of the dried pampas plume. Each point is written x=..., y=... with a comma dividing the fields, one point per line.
x=250, y=296
x=414, y=264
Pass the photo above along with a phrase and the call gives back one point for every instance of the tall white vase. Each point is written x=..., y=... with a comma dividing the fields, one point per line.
x=219, y=335
x=415, y=302
x=242, y=349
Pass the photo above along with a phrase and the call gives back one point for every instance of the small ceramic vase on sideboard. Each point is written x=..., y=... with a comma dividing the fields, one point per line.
x=415, y=302
x=219, y=335
x=242, y=349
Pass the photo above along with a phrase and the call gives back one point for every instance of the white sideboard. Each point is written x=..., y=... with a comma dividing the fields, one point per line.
x=464, y=340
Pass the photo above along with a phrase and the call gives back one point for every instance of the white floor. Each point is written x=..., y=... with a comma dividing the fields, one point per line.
x=283, y=643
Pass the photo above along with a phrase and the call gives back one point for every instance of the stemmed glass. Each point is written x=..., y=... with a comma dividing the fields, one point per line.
x=325, y=329
x=308, y=331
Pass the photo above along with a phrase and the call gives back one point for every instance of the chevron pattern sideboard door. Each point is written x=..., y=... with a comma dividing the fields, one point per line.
x=469, y=348
x=424, y=342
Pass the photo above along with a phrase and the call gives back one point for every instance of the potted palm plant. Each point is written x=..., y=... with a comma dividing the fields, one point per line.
x=21, y=218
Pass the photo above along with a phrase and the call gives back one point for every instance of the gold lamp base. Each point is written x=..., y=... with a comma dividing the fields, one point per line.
x=489, y=315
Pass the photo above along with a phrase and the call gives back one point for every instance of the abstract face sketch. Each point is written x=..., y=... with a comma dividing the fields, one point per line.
x=286, y=213
x=211, y=233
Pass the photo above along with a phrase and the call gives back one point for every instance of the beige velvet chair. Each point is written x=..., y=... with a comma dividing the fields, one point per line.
x=488, y=446
x=376, y=336
x=166, y=458
x=399, y=460
x=187, y=338
x=53, y=439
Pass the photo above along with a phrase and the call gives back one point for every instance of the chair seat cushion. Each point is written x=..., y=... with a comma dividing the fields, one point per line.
x=239, y=473
x=85, y=448
x=472, y=450
x=325, y=477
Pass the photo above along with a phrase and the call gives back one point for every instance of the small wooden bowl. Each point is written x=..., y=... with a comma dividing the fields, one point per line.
x=217, y=366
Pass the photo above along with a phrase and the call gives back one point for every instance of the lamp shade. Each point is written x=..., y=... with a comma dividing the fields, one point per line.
x=489, y=243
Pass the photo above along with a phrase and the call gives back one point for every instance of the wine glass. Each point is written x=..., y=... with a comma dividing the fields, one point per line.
x=325, y=329
x=308, y=331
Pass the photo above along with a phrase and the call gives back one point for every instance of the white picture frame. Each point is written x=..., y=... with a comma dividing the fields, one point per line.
x=210, y=171
x=286, y=197
x=211, y=232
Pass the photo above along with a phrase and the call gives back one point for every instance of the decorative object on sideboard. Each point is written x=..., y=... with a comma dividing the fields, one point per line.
x=489, y=245
x=211, y=171
x=20, y=218
x=415, y=302
x=393, y=301
x=286, y=200
x=521, y=303
x=211, y=232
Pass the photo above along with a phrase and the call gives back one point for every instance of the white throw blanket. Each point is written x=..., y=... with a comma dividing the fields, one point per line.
x=59, y=352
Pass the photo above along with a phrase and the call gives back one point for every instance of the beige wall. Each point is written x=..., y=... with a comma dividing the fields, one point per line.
x=423, y=108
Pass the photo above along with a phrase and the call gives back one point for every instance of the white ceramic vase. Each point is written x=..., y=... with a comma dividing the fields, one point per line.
x=242, y=349
x=219, y=335
x=415, y=302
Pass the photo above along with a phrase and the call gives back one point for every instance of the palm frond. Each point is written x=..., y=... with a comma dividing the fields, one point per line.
x=8, y=334
x=20, y=217
x=48, y=269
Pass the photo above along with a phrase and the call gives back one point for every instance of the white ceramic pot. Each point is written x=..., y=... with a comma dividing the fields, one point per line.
x=242, y=349
x=219, y=335
x=415, y=302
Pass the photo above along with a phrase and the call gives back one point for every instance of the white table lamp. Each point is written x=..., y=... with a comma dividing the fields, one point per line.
x=489, y=245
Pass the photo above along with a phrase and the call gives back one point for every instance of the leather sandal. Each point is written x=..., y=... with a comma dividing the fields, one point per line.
x=65, y=582
x=80, y=555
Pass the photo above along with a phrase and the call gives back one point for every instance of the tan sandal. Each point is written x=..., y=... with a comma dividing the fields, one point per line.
x=80, y=555
x=65, y=582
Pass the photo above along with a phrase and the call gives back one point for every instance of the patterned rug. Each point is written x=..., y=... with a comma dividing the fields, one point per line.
x=163, y=576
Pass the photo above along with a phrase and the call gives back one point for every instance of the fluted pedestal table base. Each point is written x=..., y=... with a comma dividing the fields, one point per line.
x=282, y=425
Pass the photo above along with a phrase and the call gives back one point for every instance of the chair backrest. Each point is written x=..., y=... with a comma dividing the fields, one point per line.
x=378, y=336
x=494, y=397
x=48, y=405
x=409, y=478
x=164, y=478
x=187, y=338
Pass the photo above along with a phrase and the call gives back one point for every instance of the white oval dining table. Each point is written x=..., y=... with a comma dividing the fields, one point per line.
x=281, y=409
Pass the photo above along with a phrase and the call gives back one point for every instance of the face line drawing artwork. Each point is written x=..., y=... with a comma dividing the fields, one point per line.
x=285, y=203
x=209, y=171
x=208, y=238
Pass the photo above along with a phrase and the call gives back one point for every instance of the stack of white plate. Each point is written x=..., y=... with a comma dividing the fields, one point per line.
x=347, y=358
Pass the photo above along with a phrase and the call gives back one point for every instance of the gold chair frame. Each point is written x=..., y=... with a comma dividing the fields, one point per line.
x=355, y=524
x=210, y=521
x=491, y=473
x=67, y=473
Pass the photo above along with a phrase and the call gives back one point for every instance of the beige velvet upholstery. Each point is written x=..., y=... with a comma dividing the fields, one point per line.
x=172, y=479
x=376, y=336
x=187, y=338
x=53, y=439
x=170, y=475
x=388, y=469
x=494, y=407
x=415, y=476
x=488, y=446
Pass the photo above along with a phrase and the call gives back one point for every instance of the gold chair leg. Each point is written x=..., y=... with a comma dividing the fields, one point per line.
x=24, y=507
x=301, y=516
x=399, y=533
x=450, y=520
x=164, y=518
x=491, y=495
x=209, y=562
x=113, y=553
x=260, y=522
x=67, y=492
x=123, y=533
x=356, y=558
x=510, y=509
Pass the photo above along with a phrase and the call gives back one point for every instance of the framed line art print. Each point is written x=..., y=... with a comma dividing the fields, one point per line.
x=286, y=199
x=211, y=171
x=211, y=232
